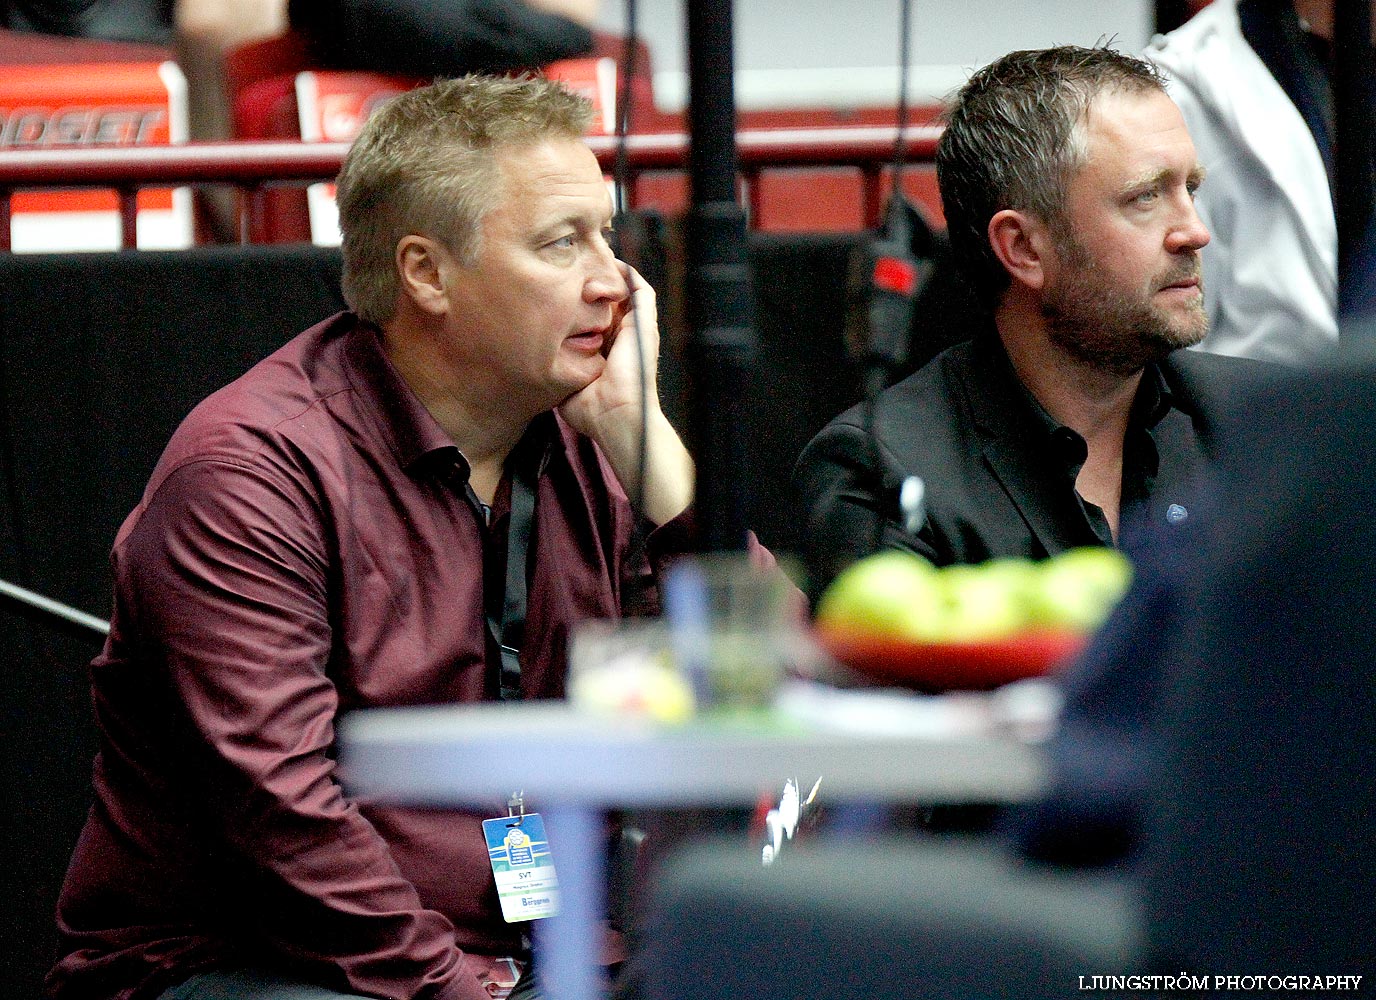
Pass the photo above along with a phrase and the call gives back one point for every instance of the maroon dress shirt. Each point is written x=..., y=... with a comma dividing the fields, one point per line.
x=306, y=546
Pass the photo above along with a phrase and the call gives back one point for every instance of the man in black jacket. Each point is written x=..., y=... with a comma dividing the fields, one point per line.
x=1068, y=181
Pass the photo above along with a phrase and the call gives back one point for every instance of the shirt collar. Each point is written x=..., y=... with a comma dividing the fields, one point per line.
x=1024, y=416
x=1154, y=399
x=406, y=425
x=417, y=440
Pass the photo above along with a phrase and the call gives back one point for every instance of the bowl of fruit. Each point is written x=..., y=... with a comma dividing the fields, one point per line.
x=897, y=619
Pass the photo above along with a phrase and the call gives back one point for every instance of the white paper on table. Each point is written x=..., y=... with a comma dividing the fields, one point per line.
x=1026, y=710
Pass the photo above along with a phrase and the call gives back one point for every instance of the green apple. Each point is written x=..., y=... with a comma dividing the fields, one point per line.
x=890, y=593
x=1079, y=588
x=988, y=600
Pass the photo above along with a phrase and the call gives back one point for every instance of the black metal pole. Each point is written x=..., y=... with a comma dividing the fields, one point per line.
x=1354, y=166
x=720, y=352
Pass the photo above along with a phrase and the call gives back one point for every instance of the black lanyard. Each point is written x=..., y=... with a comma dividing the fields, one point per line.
x=505, y=612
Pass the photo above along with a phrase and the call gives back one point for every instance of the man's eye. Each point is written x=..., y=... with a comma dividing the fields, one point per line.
x=563, y=242
x=1145, y=197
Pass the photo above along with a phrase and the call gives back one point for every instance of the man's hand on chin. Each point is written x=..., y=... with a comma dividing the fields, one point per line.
x=629, y=379
x=609, y=410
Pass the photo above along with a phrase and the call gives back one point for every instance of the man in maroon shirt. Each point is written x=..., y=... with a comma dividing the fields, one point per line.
x=341, y=528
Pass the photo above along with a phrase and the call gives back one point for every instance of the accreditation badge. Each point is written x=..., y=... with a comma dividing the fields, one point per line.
x=522, y=865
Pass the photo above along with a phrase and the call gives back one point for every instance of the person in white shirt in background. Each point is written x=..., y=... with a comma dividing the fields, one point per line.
x=1271, y=271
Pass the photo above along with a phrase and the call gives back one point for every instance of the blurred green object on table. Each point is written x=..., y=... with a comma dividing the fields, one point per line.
x=895, y=616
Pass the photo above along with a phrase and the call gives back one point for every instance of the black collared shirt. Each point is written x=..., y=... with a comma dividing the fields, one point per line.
x=1141, y=458
x=999, y=473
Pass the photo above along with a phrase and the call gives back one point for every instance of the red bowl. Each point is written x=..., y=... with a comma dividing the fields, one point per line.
x=946, y=666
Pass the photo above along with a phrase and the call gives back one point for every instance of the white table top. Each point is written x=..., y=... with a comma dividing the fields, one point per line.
x=470, y=754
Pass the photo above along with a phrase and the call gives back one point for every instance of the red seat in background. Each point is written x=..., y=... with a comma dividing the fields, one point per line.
x=260, y=78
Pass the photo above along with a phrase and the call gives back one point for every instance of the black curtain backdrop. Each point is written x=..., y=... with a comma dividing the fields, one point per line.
x=101, y=357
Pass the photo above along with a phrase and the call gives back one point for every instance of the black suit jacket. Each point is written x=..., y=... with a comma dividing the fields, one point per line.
x=995, y=485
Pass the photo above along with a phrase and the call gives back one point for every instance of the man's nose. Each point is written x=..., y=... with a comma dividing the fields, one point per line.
x=605, y=280
x=1190, y=234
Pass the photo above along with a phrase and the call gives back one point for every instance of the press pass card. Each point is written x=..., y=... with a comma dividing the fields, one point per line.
x=521, y=863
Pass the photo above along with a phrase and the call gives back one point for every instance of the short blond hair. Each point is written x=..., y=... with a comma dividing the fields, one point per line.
x=424, y=164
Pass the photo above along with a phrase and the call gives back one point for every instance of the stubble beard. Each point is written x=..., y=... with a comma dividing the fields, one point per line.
x=1113, y=332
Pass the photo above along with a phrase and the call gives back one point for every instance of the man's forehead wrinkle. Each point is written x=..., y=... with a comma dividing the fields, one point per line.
x=550, y=188
x=1146, y=131
x=1092, y=103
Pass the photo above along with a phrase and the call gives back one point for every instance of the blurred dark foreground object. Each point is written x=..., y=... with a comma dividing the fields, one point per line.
x=148, y=21
x=436, y=37
x=1252, y=747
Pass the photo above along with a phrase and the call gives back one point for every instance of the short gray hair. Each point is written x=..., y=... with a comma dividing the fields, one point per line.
x=424, y=164
x=1014, y=138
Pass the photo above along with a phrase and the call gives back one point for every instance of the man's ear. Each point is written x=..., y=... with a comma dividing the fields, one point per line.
x=422, y=265
x=1021, y=242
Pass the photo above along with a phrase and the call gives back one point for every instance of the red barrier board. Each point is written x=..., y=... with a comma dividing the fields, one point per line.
x=94, y=104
